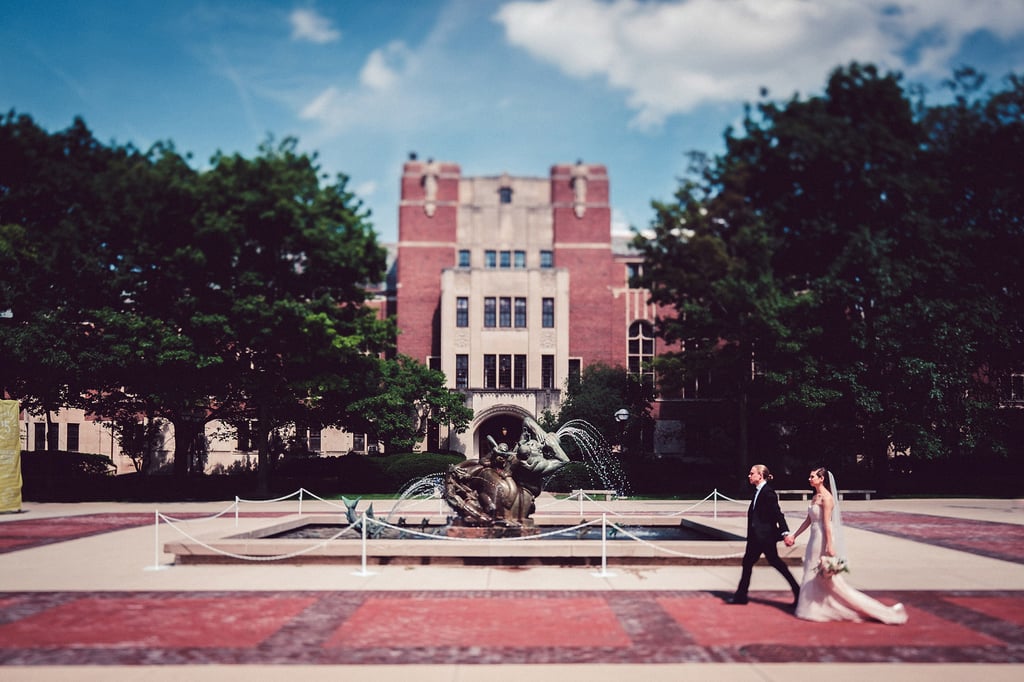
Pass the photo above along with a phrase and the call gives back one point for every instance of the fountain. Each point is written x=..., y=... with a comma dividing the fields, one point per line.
x=501, y=487
x=596, y=454
x=486, y=503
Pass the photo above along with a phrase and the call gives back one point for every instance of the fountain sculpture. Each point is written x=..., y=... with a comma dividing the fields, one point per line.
x=500, y=487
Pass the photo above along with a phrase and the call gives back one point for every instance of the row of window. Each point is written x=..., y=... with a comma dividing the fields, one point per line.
x=505, y=371
x=505, y=259
x=505, y=311
x=50, y=439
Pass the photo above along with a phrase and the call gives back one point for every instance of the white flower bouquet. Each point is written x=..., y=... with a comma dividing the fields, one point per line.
x=831, y=565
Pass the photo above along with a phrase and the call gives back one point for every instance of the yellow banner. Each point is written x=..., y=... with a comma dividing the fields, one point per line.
x=10, y=457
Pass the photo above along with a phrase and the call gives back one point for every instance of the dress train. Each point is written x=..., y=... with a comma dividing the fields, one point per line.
x=828, y=598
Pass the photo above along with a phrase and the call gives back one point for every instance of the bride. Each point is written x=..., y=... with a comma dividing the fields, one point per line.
x=824, y=594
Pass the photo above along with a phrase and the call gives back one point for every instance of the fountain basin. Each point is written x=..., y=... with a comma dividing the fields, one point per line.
x=718, y=545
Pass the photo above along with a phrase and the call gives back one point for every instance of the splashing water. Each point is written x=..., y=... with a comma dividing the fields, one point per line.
x=597, y=454
x=422, y=488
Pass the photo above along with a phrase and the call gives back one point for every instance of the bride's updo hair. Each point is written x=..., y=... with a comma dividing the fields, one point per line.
x=763, y=470
x=823, y=474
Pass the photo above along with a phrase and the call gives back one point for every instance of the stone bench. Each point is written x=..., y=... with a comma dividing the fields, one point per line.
x=806, y=494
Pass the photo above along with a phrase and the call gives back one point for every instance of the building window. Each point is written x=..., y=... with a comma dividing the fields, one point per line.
x=490, y=312
x=633, y=272
x=359, y=442
x=547, y=259
x=53, y=437
x=505, y=195
x=519, y=260
x=519, y=372
x=463, y=258
x=462, y=311
x=520, y=312
x=490, y=371
x=641, y=350
x=505, y=259
x=504, y=371
x=490, y=259
x=72, y=438
x=505, y=312
x=547, y=313
x=547, y=371
x=1013, y=388
x=575, y=371
x=40, y=436
x=461, y=371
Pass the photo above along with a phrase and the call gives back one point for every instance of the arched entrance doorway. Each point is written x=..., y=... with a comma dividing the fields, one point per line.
x=503, y=424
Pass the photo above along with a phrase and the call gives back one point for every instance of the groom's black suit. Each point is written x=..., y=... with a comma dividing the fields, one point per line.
x=766, y=526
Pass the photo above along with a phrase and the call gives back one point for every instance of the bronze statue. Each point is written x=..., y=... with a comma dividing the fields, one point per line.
x=500, y=487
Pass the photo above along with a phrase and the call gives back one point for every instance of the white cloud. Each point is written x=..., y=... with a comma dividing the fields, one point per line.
x=375, y=103
x=367, y=189
x=385, y=66
x=321, y=105
x=307, y=24
x=671, y=57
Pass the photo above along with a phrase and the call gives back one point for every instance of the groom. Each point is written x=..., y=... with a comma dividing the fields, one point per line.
x=766, y=525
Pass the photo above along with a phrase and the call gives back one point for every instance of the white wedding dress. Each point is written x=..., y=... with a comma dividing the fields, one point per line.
x=824, y=598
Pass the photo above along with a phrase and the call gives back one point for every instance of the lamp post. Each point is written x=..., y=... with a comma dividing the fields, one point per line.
x=621, y=417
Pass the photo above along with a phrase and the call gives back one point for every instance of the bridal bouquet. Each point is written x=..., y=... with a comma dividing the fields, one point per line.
x=831, y=565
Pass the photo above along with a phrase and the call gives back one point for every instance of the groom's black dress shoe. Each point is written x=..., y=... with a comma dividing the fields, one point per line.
x=736, y=601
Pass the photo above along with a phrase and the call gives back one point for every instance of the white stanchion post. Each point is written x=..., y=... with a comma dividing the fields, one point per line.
x=156, y=544
x=363, y=572
x=604, y=549
x=236, y=511
x=300, y=501
x=714, y=493
x=156, y=539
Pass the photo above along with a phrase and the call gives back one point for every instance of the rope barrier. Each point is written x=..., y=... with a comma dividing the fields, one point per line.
x=365, y=522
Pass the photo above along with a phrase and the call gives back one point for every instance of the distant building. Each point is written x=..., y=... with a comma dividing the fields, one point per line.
x=510, y=286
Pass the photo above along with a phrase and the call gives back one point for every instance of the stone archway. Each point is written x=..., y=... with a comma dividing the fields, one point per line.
x=502, y=423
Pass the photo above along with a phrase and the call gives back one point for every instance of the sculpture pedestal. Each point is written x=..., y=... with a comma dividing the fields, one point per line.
x=491, y=532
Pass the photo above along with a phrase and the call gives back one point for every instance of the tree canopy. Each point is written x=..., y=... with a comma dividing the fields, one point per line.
x=598, y=394
x=409, y=398
x=848, y=270
x=139, y=285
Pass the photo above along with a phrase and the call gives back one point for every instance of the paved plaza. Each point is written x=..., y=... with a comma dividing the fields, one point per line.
x=87, y=593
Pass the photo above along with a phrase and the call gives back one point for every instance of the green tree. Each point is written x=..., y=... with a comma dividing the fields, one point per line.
x=54, y=224
x=140, y=286
x=815, y=270
x=599, y=393
x=409, y=397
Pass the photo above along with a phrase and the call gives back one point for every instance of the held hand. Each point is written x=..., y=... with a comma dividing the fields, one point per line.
x=789, y=541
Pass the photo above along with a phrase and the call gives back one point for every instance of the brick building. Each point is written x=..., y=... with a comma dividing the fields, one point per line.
x=510, y=285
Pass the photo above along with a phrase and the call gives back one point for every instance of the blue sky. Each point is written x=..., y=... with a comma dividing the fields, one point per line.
x=495, y=86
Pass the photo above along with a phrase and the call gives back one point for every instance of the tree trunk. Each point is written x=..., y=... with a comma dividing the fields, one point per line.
x=742, y=435
x=186, y=436
x=262, y=433
x=879, y=448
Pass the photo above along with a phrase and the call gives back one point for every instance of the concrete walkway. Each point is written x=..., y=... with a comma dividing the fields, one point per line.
x=86, y=593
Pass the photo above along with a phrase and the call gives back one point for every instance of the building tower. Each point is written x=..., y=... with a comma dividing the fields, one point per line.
x=509, y=285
